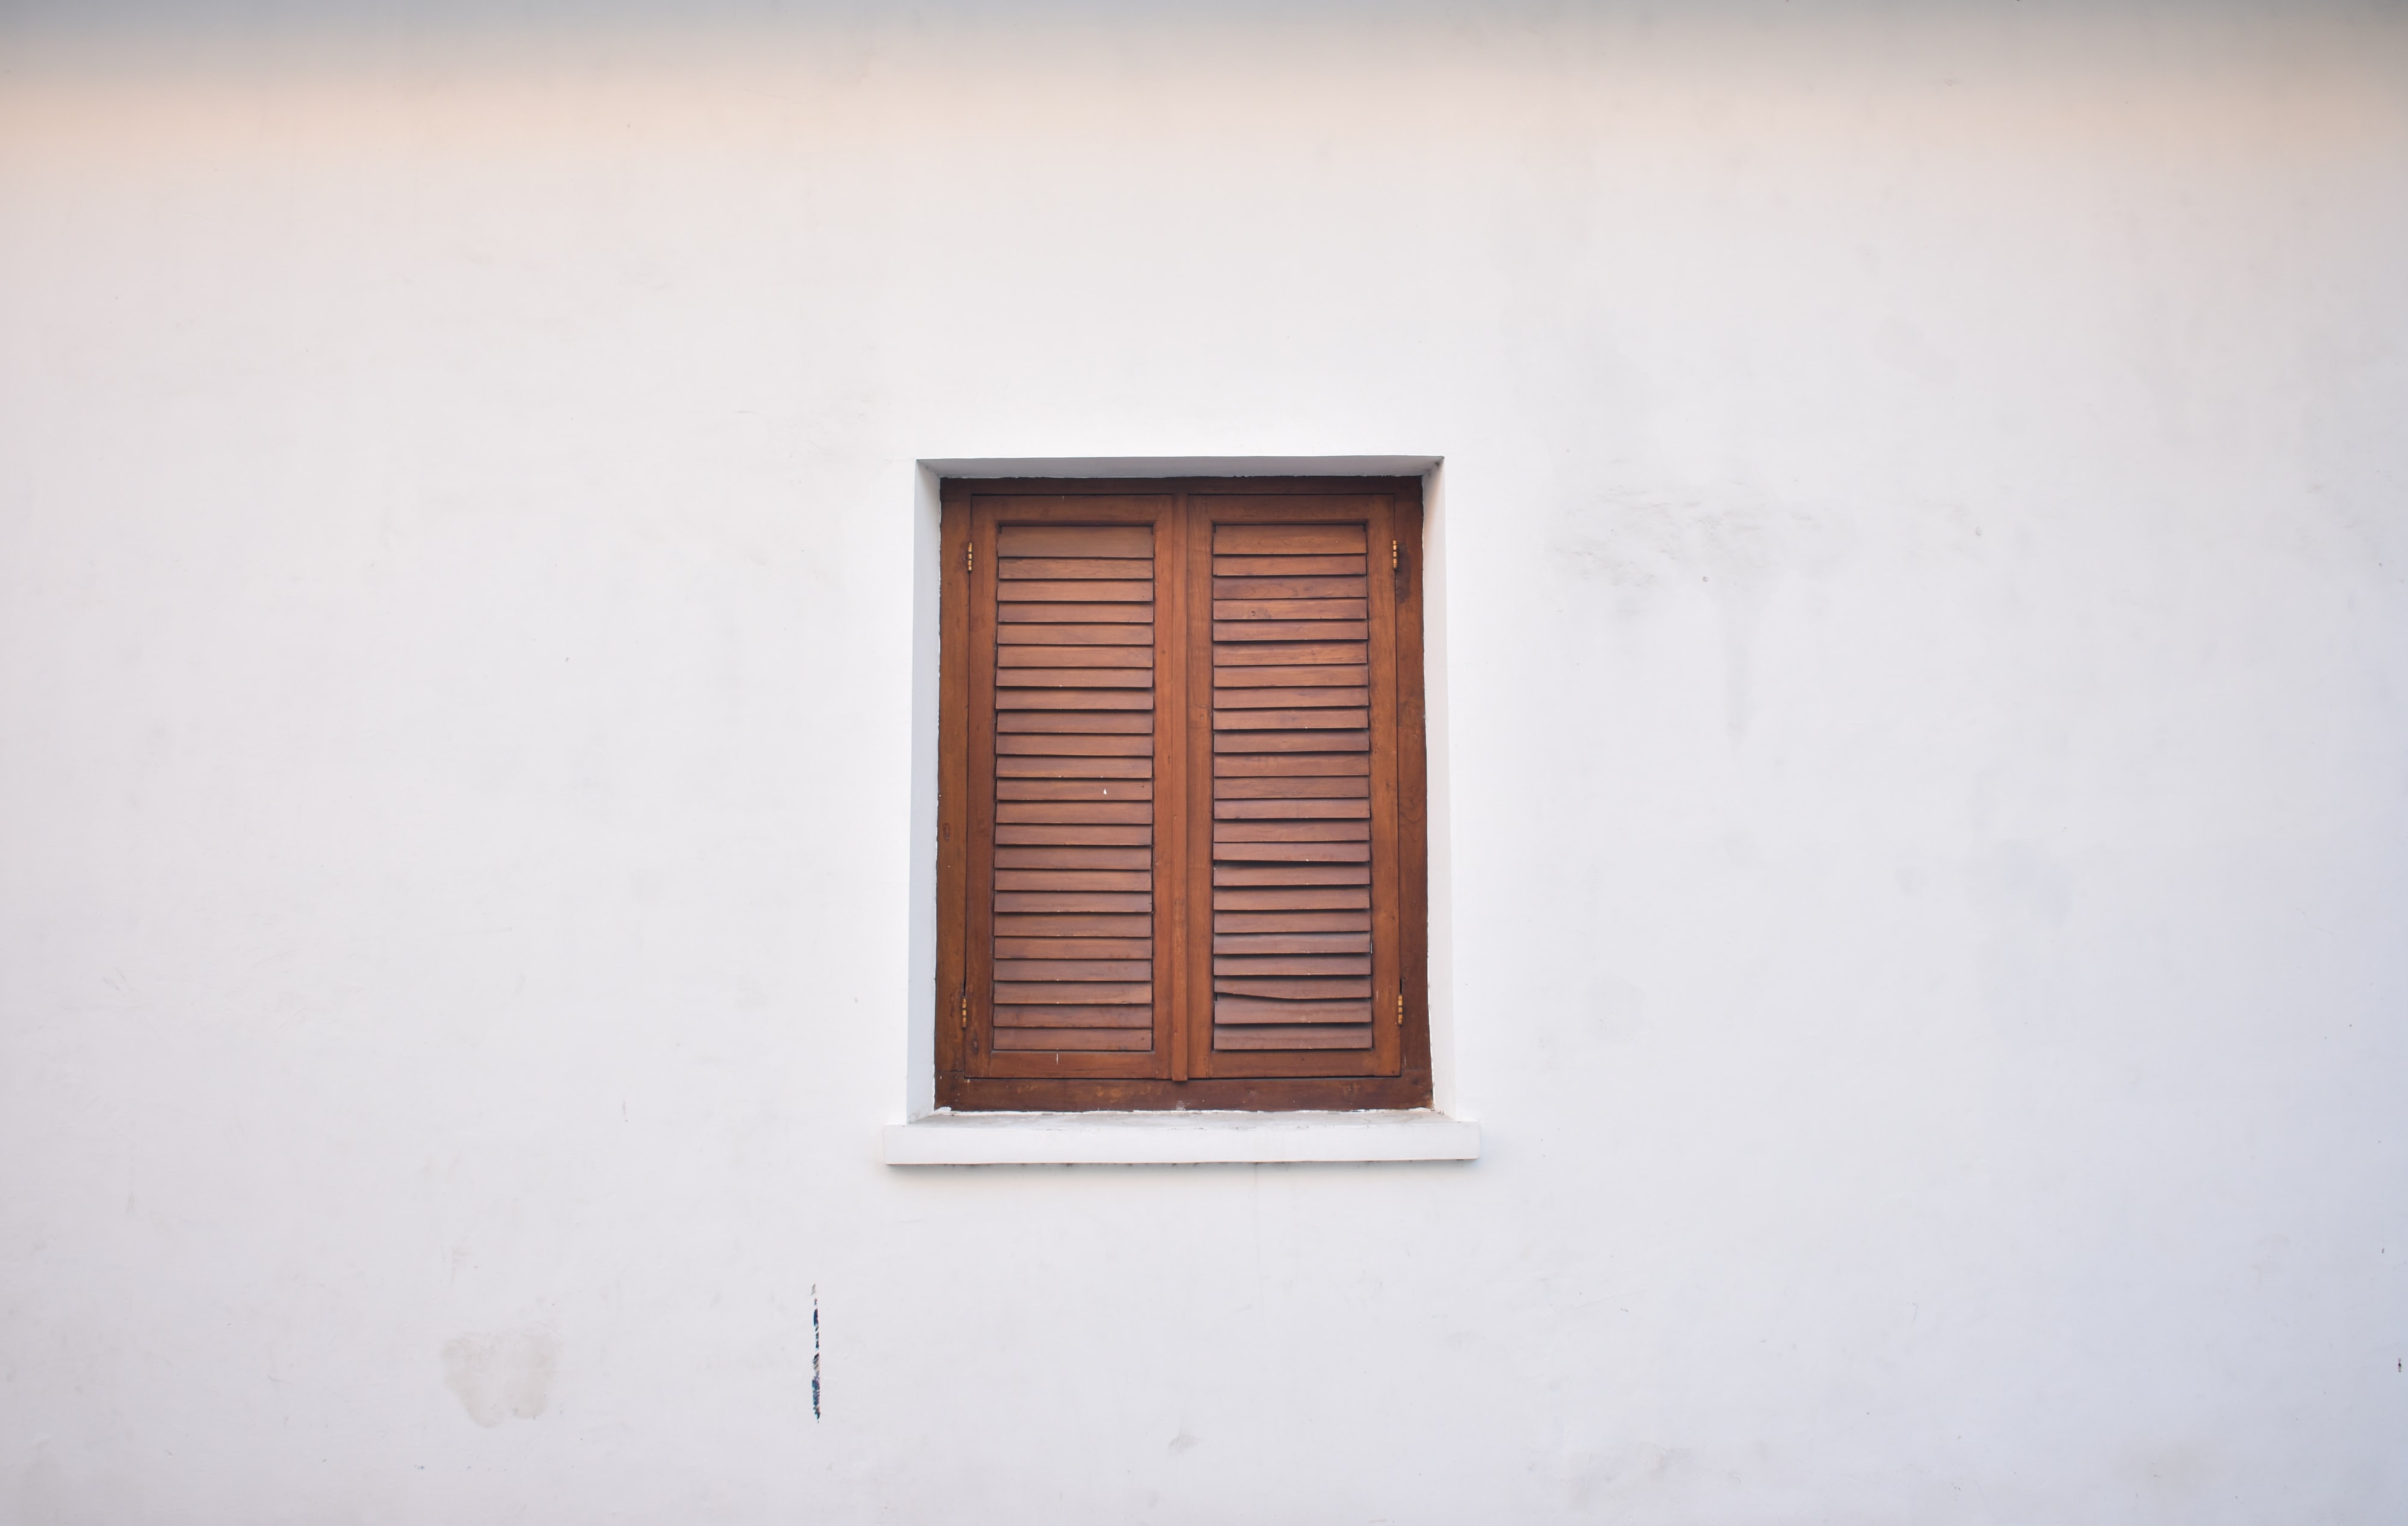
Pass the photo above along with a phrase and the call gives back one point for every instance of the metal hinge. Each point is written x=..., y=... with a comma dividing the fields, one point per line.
x=970, y=558
x=966, y=1011
x=1391, y=556
x=1401, y=1009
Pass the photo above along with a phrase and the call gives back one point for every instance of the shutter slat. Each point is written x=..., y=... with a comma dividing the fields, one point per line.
x=1072, y=678
x=1296, y=964
x=1056, y=745
x=1288, y=566
x=1074, y=656
x=1135, y=541
x=1332, y=899
x=1073, y=810
x=1275, y=811
x=1291, y=832
x=1291, y=741
x=1287, y=630
x=1289, y=588
x=1302, y=653
x=1073, y=790
x=1338, y=674
x=1073, y=947
x=1235, y=1038
x=1044, y=634
x=1233, y=718
x=1109, y=901
x=1087, y=924
x=1017, y=767
x=1317, y=788
x=1073, y=969
x=1291, y=921
x=1070, y=1038
x=1246, y=874
x=1094, y=592
x=1068, y=722
x=1290, y=768
x=1018, y=1040
x=1018, y=567
x=1238, y=610
x=1065, y=1015
x=1073, y=768
x=1326, y=989
x=1058, y=833
x=1079, y=879
x=1224, y=853
x=1293, y=943
x=1272, y=699
x=1072, y=993
x=1072, y=699
x=1069, y=614
x=1288, y=540
x=1075, y=858
x=1253, y=1010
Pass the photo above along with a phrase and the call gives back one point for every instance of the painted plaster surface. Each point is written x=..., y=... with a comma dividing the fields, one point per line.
x=1922, y=797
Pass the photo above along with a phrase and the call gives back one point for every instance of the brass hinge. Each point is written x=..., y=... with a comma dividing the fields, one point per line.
x=966, y=1011
x=970, y=557
x=1401, y=1009
x=1391, y=556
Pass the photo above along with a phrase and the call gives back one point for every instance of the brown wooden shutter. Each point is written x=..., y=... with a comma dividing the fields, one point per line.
x=1067, y=953
x=1181, y=836
x=1291, y=668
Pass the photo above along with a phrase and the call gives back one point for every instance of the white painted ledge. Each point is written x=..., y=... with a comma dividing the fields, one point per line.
x=1177, y=1139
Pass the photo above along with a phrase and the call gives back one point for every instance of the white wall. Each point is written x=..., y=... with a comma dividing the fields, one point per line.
x=1926, y=505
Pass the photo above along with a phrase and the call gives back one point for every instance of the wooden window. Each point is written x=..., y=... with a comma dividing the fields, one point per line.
x=1182, y=849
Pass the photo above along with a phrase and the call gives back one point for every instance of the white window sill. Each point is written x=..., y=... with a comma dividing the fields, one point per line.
x=1177, y=1139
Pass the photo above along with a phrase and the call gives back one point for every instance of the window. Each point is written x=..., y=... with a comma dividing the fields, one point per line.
x=1182, y=850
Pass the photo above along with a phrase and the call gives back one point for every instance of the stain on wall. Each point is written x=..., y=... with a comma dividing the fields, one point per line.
x=502, y=1375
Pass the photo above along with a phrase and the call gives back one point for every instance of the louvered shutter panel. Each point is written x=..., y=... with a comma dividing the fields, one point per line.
x=1294, y=799
x=1064, y=921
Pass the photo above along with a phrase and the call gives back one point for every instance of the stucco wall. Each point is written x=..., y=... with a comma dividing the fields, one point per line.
x=1924, y=771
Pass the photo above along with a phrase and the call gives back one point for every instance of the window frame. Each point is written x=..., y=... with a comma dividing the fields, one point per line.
x=955, y=1088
